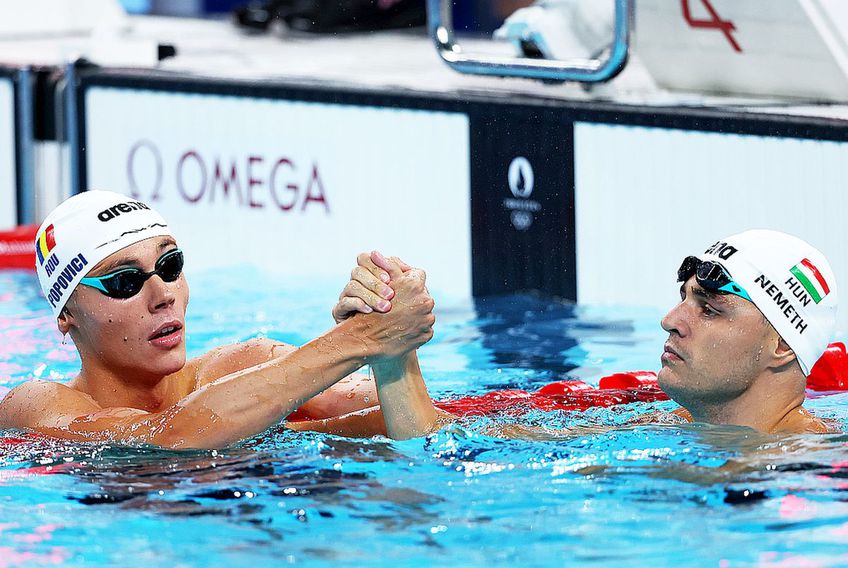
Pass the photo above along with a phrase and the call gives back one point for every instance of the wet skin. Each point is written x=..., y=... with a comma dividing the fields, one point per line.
x=715, y=346
x=136, y=386
x=119, y=339
x=725, y=364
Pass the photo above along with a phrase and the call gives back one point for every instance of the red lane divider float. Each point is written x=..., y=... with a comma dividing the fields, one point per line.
x=620, y=388
x=830, y=373
x=17, y=247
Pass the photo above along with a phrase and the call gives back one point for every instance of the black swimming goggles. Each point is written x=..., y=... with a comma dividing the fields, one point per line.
x=711, y=276
x=127, y=282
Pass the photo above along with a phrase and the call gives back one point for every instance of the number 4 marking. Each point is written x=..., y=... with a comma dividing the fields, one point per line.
x=726, y=26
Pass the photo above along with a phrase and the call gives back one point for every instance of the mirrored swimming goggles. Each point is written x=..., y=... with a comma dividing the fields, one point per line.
x=127, y=282
x=711, y=276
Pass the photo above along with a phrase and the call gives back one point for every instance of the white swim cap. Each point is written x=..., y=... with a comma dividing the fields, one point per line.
x=82, y=231
x=789, y=281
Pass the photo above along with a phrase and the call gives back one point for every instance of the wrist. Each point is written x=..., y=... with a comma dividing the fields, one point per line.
x=353, y=334
x=387, y=370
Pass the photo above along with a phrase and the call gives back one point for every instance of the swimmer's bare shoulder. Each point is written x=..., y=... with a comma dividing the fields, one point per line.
x=801, y=421
x=228, y=359
x=46, y=406
x=51, y=408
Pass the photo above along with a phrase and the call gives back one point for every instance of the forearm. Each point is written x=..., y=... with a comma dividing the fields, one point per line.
x=248, y=402
x=407, y=408
x=360, y=424
x=351, y=394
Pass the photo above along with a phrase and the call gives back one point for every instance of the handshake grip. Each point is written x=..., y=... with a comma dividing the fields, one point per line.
x=409, y=323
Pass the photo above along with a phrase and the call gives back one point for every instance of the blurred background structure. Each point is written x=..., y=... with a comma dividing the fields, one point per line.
x=470, y=15
x=536, y=185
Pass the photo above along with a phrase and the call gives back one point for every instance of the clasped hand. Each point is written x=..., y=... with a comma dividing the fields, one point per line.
x=392, y=300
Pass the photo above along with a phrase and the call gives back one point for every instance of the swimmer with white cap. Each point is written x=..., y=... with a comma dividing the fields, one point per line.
x=757, y=311
x=112, y=273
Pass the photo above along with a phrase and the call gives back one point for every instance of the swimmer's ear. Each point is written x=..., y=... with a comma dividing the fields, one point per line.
x=784, y=355
x=65, y=321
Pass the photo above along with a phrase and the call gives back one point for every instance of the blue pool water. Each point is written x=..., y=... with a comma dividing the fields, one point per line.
x=690, y=495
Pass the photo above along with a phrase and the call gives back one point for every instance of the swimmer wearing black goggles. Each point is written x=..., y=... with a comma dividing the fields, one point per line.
x=127, y=282
x=711, y=276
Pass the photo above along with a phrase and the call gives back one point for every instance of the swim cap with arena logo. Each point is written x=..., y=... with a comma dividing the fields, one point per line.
x=789, y=281
x=81, y=232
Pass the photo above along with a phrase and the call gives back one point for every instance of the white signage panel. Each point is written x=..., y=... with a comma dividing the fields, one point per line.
x=647, y=197
x=290, y=187
x=8, y=181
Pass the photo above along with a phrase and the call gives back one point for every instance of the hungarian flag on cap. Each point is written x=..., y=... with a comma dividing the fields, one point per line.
x=811, y=279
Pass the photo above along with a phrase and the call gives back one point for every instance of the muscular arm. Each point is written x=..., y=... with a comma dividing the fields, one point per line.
x=360, y=424
x=351, y=394
x=405, y=405
x=407, y=408
x=229, y=409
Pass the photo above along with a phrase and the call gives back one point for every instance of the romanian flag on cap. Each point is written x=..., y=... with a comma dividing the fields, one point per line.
x=811, y=279
x=46, y=242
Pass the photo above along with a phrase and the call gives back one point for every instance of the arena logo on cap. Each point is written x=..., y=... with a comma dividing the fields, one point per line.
x=108, y=214
x=722, y=250
x=811, y=279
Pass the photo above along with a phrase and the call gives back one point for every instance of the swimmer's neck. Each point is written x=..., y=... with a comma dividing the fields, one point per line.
x=112, y=388
x=773, y=404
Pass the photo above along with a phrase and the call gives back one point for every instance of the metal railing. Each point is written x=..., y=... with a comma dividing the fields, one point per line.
x=440, y=26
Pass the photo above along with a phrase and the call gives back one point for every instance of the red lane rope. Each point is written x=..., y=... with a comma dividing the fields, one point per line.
x=620, y=388
x=17, y=247
x=830, y=373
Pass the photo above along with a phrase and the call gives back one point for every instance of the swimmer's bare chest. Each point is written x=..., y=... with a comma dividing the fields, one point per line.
x=195, y=374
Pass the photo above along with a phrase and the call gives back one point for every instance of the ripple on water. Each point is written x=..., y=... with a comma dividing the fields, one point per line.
x=670, y=494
